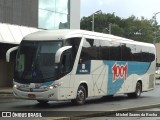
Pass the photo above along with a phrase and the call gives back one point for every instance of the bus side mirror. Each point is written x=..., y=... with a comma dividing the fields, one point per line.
x=60, y=52
x=9, y=52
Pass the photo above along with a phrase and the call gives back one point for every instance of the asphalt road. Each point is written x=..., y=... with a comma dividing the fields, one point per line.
x=153, y=111
x=65, y=108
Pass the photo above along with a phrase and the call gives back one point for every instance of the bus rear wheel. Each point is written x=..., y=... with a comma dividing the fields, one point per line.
x=43, y=101
x=137, y=92
x=81, y=96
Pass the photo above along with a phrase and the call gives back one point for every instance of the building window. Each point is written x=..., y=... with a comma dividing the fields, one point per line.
x=53, y=14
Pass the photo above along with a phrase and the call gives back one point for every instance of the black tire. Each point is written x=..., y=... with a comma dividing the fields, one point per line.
x=137, y=92
x=43, y=101
x=81, y=96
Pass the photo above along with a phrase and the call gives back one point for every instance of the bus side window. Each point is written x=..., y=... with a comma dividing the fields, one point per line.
x=104, y=50
x=127, y=50
x=66, y=62
x=115, y=51
x=89, y=51
x=74, y=42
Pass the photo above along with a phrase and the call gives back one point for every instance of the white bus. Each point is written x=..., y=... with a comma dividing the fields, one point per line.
x=77, y=64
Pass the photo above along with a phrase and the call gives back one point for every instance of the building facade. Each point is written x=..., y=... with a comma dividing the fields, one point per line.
x=44, y=14
x=54, y=14
x=19, y=12
x=21, y=17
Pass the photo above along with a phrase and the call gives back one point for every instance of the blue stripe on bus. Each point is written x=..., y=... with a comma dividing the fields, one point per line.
x=138, y=68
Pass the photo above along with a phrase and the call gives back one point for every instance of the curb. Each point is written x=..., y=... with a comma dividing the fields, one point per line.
x=6, y=92
x=3, y=92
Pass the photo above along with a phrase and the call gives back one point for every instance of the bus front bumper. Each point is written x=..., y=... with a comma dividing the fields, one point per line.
x=50, y=95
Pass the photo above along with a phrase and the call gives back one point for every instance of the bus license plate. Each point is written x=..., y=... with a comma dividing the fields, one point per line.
x=31, y=95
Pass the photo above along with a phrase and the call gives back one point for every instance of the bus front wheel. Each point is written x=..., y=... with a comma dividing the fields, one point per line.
x=81, y=96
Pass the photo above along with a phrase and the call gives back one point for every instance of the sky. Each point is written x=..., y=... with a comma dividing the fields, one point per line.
x=122, y=8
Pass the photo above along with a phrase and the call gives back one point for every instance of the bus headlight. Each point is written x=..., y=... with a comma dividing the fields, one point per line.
x=51, y=87
x=55, y=85
x=15, y=86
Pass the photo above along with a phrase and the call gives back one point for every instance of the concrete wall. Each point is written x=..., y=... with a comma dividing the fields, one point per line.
x=6, y=74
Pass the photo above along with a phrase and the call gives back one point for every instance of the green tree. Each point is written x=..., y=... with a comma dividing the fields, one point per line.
x=132, y=27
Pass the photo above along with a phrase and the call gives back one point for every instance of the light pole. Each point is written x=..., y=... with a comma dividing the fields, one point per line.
x=155, y=14
x=99, y=11
x=155, y=39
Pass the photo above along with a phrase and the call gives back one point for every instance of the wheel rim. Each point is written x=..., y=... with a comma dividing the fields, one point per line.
x=80, y=96
x=138, y=90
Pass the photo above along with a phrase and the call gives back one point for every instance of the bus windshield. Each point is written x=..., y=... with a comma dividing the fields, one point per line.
x=36, y=61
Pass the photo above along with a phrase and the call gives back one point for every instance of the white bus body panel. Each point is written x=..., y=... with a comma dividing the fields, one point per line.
x=100, y=80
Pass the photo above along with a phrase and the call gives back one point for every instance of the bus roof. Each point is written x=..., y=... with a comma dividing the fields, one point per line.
x=47, y=35
x=50, y=35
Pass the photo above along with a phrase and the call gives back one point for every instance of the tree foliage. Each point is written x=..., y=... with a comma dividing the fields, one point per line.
x=133, y=28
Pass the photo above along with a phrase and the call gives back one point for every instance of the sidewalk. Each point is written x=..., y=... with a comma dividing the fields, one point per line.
x=8, y=90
